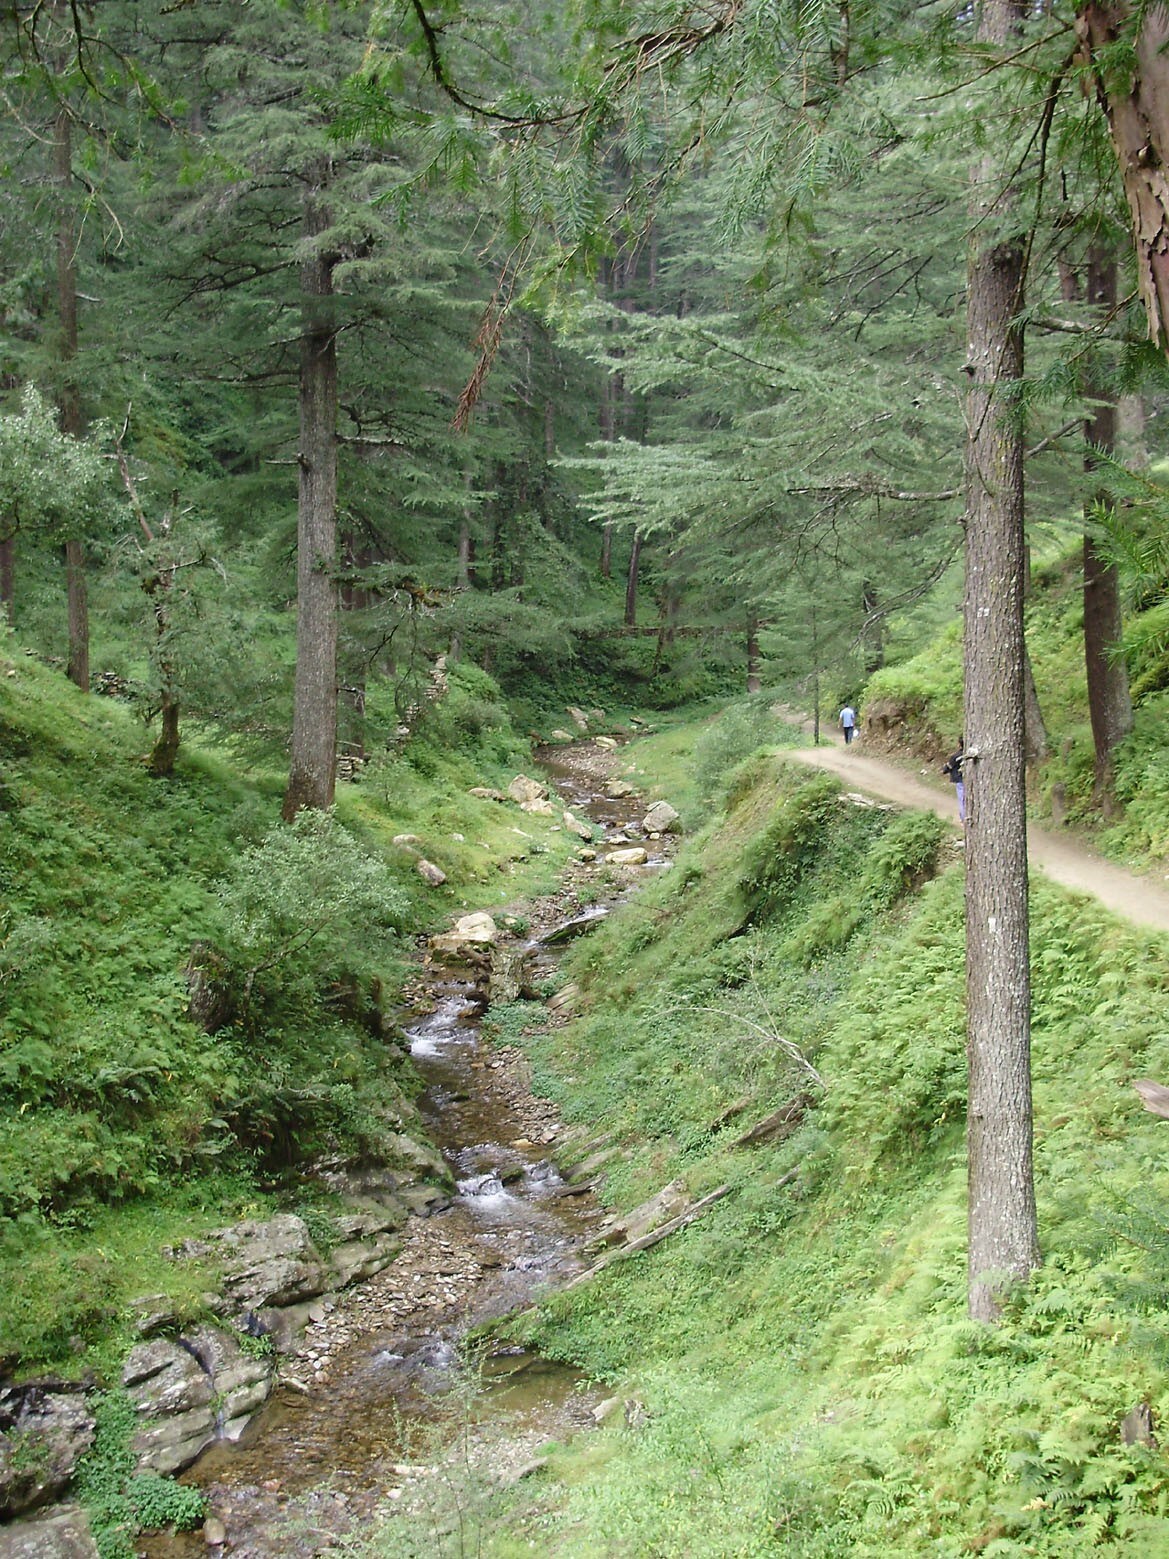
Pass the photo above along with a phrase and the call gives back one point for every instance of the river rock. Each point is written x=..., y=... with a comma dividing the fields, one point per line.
x=661, y=819
x=578, y=717
x=606, y=743
x=470, y=934
x=43, y=1433
x=356, y=1260
x=61, y=1533
x=524, y=789
x=263, y=1263
x=190, y=1391
x=241, y=1382
x=636, y=856
x=576, y=826
x=619, y=790
x=562, y=736
x=541, y=807
x=508, y=974
x=173, y=1396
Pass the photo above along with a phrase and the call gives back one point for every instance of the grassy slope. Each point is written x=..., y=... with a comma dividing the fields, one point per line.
x=811, y=1381
x=122, y=1125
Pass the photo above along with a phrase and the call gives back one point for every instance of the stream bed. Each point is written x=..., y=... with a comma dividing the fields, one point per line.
x=381, y=1381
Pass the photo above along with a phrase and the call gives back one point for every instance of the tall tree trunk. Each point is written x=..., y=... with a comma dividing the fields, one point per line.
x=1135, y=99
x=69, y=400
x=1109, y=700
x=754, y=681
x=1003, y=1238
x=1034, y=726
x=631, y=581
x=312, y=772
x=354, y=598
x=874, y=634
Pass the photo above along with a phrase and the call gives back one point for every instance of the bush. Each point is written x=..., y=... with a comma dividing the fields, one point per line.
x=740, y=730
x=304, y=906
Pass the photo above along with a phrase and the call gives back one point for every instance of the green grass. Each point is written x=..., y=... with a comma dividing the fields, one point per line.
x=811, y=1383
x=120, y=1117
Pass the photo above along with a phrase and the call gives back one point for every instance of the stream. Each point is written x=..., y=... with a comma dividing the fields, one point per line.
x=380, y=1384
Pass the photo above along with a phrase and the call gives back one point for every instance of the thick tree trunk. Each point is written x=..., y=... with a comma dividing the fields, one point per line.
x=312, y=772
x=1109, y=700
x=1126, y=47
x=1003, y=1239
x=69, y=400
x=166, y=749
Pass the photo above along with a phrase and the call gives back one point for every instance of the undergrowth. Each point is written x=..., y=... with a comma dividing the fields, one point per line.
x=810, y=1382
x=196, y=999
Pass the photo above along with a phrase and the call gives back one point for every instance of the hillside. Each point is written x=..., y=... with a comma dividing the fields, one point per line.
x=196, y=1001
x=804, y=1374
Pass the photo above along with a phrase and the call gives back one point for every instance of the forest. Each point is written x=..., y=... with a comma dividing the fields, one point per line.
x=396, y=395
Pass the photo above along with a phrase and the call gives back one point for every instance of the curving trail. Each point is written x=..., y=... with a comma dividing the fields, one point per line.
x=1063, y=859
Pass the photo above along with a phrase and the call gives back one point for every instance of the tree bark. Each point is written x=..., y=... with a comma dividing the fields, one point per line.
x=1109, y=700
x=69, y=400
x=1003, y=1238
x=1132, y=88
x=1034, y=726
x=312, y=772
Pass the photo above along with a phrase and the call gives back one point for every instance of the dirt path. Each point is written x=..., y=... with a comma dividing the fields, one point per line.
x=1064, y=860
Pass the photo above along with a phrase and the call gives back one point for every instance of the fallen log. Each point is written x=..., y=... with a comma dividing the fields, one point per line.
x=780, y=1124
x=1155, y=1095
x=647, y=1241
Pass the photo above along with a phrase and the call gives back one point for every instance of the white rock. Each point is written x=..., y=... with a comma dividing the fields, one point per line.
x=524, y=789
x=632, y=857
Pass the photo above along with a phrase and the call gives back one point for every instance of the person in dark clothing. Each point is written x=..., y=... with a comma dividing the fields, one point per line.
x=953, y=768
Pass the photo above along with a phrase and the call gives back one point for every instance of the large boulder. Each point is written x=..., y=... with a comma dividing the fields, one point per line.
x=470, y=935
x=540, y=807
x=273, y=1262
x=60, y=1533
x=241, y=1381
x=634, y=856
x=661, y=819
x=524, y=789
x=43, y=1434
x=190, y=1391
x=173, y=1396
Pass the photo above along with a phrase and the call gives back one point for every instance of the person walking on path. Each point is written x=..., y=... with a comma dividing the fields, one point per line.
x=953, y=767
x=848, y=723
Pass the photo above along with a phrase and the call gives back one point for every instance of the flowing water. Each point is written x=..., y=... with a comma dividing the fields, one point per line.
x=321, y=1454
